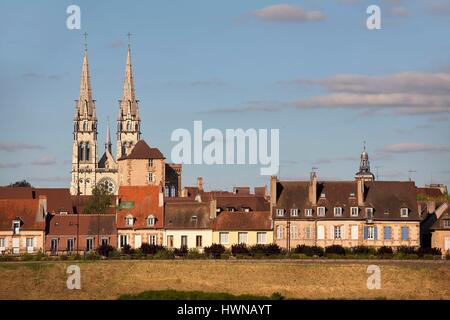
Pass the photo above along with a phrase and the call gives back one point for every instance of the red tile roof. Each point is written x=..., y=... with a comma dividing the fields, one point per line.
x=90, y=224
x=140, y=202
x=254, y=220
x=27, y=210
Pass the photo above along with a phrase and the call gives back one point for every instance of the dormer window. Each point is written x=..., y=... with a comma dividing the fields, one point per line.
x=308, y=212
x=231, y=209
x=321, y=211
x=322, y=195
x=16, y=226
x=354, y=211
x=194, y=218
x=294, y=212
x=447, y=224
x=150, y=221
x=337, y=211
x=404, y=212
x=246, y=209
x=129, y=221
x=386, y=211
x=280, y=212
x=352, y=195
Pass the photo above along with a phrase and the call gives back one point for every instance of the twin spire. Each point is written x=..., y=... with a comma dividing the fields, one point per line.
x=128, y=103
x=85, y=102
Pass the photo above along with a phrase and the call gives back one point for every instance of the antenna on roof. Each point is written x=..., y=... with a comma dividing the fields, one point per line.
x=409, y=174
x=376, y=171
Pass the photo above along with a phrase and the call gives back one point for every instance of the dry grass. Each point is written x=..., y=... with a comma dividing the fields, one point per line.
x=293, y=279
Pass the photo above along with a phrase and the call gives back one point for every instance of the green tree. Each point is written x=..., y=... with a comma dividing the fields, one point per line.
x=100, y=200
x=23, y=183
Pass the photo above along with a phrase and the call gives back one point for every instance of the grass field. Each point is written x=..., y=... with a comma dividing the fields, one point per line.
x=291, y=279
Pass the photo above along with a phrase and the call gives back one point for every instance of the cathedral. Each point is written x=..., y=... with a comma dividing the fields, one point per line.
x=135, y=163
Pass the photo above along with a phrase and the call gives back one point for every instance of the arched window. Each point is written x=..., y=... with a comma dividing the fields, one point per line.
x=80, y=151
x=166, y=191
x=129, y=125
x=88, y=151
x=280, y=231
x=136, y=127
x=172, y=191
x=84, y=126
x=124, y=149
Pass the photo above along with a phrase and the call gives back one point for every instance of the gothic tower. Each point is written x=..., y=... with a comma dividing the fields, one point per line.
x=84, y=151
x=128, y=122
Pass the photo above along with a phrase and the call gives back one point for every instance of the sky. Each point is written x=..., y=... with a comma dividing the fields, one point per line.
x=311, y=69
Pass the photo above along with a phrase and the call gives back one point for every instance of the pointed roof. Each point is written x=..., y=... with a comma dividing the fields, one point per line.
x=85, y=103
x=128, y=103
x=108, y=137
x=143, y=151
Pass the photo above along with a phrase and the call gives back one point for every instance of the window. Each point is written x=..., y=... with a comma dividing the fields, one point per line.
x=446, y=223
x=280, y=212
x=261, y=238
x=87, y=152
x=124, y=149
x=354, y=211
x=172, y=191
x=105, y=241
x=16, y=226
x=151, y=221
x=280, y=232
x=194, y=219
x=184, y=241
x=166, y=191
x=153, y=239
x=30, y=244
x=337, y=232
x=170, y=241
x=231, y=209
x=294, y=212
x=242, y=237
x=370, y=233
x=405, y=233
x=2, y=243
x=89, y=244
x=294, y=232
x=321, y=211
x=355, y=232
x=54, y=246
x=246, y=209
x=129, y=221
x=150, y=162
x=322, y=195
x=387, y=233
x=123, y=240
x=308, y=212
x=337, y=211
x=151, y=177
x=70, y=243
x=320, y=232
x=223, y=237
x=308, y=232
x=198, y=241
x=404, y=212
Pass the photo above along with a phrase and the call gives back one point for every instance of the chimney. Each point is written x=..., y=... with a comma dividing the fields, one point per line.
x=273, y=190
x=312, y=197
x=431, y=206
x=213, y=209
x=441, y=209
x=360, y=191
x=43, y=205
x=200, y=184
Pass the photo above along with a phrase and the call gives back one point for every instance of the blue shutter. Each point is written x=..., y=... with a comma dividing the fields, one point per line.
x=375, y=233
x=404, y=233
x=366, y=233
x=387, y=233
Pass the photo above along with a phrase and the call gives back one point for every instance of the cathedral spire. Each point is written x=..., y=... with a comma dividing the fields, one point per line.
x=108, y=137
x=85, y=102
x=128, y=103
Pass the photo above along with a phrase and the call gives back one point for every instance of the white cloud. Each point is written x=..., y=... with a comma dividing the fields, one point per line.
x=410, y=147
x=44, y=161
x=13, y=147
x=287, y=13
x=10, y=165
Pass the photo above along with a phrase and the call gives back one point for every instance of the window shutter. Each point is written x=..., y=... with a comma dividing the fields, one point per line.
x=343, y=233
x=387, y=233
x=375, y=233
x=320, y=232
x=366, y=232
x=331, y=232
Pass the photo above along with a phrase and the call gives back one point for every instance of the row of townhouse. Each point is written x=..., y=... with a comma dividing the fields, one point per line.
x=322, y=213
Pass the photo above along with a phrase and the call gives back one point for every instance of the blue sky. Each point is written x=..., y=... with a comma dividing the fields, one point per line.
x=309, y=68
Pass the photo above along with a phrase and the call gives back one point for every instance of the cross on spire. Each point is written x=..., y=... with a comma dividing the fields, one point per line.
x=364, y=145
x=129, y=39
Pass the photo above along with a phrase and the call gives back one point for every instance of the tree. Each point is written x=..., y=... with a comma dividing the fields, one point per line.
x=100, y=200
x=23, y=184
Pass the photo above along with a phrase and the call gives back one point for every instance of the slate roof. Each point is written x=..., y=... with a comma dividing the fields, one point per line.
x=187, y=215
x=143, y=151
x=254, y=220
x=90, y=224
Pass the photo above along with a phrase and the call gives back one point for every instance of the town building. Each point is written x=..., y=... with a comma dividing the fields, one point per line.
x=440, y=230
x=140, y=216
x=347, y=213
x=249, y=228
x=22, y=225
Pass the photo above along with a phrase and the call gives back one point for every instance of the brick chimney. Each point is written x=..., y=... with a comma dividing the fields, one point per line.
x=213, y=209
x=312, y=196
x=43, y=205
x=200, y=184
x=360, y=191
x=273, y=190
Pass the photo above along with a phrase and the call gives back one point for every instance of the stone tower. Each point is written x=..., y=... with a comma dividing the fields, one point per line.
x=84, y=150
x=128, y=121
